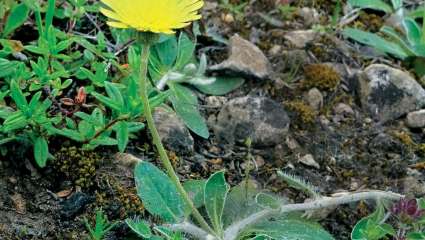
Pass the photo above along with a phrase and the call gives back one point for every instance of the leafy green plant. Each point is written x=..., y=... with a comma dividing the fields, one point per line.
x=14, y=15
x=228, y=209
x=390, y=6
x=35, y=104
x=234, y=8
x=102, y=226
x=408, y=222
x=241, y=212
x=407, y=44
x=172, y=64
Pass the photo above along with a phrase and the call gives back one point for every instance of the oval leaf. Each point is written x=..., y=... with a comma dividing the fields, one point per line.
x=41, y=151
x=216, y=190
x=158, y=193
x=18, y=16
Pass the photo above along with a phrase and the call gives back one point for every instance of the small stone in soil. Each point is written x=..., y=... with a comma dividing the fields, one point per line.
x=259, y=118
x=416, y=119
x=245, y=59
x=75, y=204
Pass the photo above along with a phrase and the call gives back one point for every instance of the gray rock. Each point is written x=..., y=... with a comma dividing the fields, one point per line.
x=259, y=118
x=275, y=50
x=388, y=93
x=215, y=101
x=308, y=160
x=174, y=134
x=314, y=98
x=295, y=58
x=413, y=187
x=344, y=110
x=309, y=15
x=385, y=143
x=300, y=38
x=246, y=59
x=416, y=119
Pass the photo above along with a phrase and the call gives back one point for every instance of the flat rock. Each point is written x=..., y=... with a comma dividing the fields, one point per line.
x=309, y=160
x=246, y=59
x=416, y=119
x=300, y=38
x=388, y=93
x=173, y=132
x=259, y=118
x=314, y=98
x=310, y=16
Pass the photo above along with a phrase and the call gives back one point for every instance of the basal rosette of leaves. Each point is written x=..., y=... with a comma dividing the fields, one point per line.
x=225, y=207
x=407, y=44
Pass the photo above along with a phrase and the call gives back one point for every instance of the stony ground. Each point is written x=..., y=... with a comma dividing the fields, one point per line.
x=313, y=105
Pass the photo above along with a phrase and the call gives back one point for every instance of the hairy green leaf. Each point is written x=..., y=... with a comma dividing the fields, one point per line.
x=215, y=195
x=372, y=4
x=222, y=85
x=158, y=193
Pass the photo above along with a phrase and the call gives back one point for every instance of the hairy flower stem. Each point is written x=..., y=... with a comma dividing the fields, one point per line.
x=232, y=231
x=157, y=140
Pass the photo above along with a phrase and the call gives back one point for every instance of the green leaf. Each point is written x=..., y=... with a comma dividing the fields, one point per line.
x=221, y=86
x=397, y=4
x=140, y=227
x=166, y=51
x=51, y=7
x=72, y=134
x=158, y=193
x=186, y=50
x=267, y=201
x=374, y=4
x=216, y=190
x=417, y=13
x=413, y=31
x=104, y=141
x=115, y=94
x=122, y=135
x=395, y=37
x=376, y=42
x=185, y=104
x=6, y=67
x=16, y=120
x=18, y=96
x=37, y=50
x=240, y=202
x=107, y=101
x=195, y=189
x=371, y=227
x=290, y=228
x=17, y=17
x=41, y=151
x=416, y=236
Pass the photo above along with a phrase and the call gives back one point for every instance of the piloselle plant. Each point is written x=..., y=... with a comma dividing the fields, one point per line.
x=406, y=43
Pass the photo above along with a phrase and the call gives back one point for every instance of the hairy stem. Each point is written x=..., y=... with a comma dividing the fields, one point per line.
x=157, y=140
x=191, y=229
x=232, y=232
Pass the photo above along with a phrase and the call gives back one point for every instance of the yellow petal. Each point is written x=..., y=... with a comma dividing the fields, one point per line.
x=160, y=16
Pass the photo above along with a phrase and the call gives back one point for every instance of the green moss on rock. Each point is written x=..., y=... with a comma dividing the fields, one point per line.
x=321, y=76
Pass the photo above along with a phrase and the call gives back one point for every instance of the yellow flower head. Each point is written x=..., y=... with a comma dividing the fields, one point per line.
x=158, y=16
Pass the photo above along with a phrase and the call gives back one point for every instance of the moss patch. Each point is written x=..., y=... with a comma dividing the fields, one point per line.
x=369, y=22
x=77, y=165
x=305, y=113
x=320, y=76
